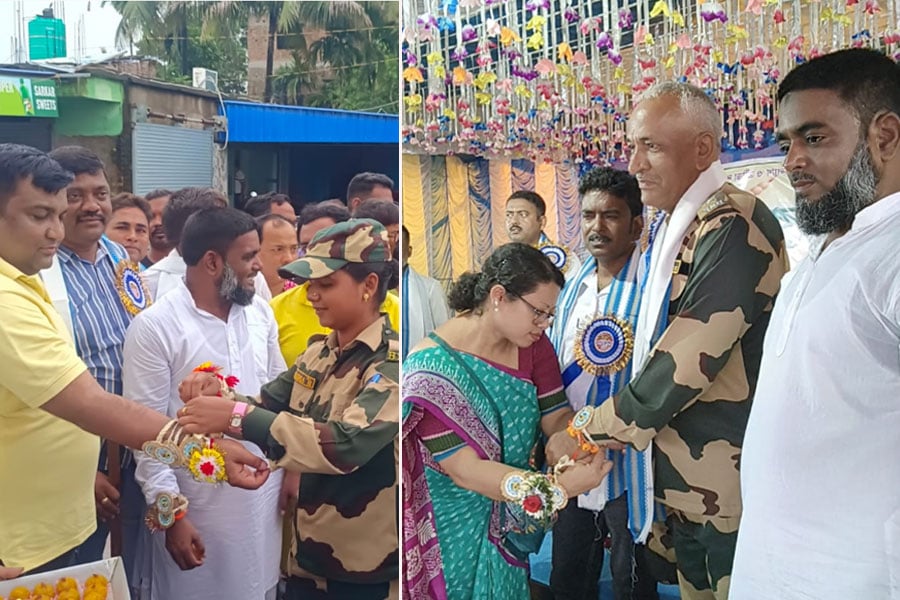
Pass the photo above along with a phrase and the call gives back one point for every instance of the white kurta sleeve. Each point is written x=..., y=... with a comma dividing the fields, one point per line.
x=262, y=288
x=150, y=277
x=574, y=264
x=277, y=366
x=147, y=379
x=437, y=302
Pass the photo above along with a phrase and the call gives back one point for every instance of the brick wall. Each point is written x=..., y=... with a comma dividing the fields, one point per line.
x=257, y=34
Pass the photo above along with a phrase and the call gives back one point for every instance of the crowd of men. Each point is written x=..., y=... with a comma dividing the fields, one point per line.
x=758, y=417
x=148, y=288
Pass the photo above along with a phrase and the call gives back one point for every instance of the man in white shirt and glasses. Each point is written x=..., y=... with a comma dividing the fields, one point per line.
x=819, y=477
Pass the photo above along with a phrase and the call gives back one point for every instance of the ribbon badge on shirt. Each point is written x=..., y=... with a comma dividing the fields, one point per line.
x=604, y=345
x=132, y=290
x=557, y=254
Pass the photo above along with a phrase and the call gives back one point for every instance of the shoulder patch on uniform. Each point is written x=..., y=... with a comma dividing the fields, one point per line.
x=717, y=201
x=301, y=378
x=393, y=353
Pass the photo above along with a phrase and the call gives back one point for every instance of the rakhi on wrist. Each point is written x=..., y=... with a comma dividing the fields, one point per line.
x=577, y=430
x=539, y=495
x=165, y=510
x=198, y=454
x=227, y=382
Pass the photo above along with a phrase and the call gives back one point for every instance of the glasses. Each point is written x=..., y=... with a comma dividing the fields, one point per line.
x=540, y=316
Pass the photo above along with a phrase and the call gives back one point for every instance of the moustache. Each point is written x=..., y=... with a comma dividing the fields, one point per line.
x=596, y=237
x=95, y=216
x=797, y=178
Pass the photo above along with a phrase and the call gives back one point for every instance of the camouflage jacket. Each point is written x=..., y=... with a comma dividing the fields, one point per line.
x=692, y=398
x=334, y=417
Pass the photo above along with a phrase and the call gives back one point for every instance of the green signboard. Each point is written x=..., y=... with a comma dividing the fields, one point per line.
x=23, y=97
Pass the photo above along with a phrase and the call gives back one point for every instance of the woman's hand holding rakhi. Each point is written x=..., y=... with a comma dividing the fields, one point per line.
x=582, y=475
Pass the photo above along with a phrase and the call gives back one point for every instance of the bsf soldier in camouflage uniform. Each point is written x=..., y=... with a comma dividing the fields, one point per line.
x=718, y=258
x=334, y=417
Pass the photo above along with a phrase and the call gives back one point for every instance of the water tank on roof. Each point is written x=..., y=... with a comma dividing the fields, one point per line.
x=46, y=36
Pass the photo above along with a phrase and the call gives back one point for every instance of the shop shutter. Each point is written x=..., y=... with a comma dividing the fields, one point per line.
x=170, y=157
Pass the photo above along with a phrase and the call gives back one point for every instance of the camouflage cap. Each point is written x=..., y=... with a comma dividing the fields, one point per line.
x=354, y=241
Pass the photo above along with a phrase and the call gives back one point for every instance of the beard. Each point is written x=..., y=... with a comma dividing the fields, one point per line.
x=837, y=208
x=230, y=289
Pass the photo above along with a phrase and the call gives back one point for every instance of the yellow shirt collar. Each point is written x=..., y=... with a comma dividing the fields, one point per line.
x=32, y=282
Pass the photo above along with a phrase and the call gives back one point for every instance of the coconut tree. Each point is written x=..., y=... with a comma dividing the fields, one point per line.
x=155, y=21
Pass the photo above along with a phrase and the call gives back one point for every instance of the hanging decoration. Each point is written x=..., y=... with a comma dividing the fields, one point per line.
x=554, y=80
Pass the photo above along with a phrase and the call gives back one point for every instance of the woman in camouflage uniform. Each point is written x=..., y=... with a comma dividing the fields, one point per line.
x=333, y=417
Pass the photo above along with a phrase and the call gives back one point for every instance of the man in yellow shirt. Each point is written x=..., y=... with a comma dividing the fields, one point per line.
x=297, y=321
x=51, y=409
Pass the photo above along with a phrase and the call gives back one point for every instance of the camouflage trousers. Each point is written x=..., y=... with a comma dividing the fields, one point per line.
x=704, y=553
x=311, y=587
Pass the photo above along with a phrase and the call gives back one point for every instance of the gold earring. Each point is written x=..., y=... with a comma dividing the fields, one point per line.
x=366, y=297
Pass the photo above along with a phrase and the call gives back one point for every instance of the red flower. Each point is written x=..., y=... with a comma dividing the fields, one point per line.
x=207, y=468
x=532, y=504
x=231, y=381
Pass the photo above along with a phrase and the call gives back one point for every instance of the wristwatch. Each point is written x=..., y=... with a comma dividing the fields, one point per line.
x=235, y=423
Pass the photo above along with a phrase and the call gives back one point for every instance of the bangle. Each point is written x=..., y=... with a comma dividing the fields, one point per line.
x=176, y=448
x=165, y=510
x=539, y=495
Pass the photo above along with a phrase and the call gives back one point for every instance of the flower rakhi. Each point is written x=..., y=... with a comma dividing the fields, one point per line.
x=537, y=495
x=175, y=447
x=207, y=465
x=227, y=381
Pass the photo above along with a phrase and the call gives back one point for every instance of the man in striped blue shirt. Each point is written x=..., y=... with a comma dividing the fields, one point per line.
x=103, y=292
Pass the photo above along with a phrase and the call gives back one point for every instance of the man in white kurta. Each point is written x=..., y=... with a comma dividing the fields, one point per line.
x=819, y=474
x=240, y=530
x=166, y=275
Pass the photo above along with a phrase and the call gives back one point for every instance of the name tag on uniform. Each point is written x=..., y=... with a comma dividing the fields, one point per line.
x=307, y=381
x=393, y=353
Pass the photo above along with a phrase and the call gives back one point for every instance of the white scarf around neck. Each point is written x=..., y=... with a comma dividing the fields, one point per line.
x=667, y=245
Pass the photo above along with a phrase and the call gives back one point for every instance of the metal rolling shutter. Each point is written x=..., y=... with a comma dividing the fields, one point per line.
x=30, y=132
x=170, y=157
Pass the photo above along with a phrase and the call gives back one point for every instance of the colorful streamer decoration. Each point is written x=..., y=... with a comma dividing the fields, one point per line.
x=554, y=80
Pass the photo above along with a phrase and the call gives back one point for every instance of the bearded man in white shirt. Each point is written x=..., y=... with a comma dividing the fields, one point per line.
x=164, y=276
x=820, y=483
x=211, y=316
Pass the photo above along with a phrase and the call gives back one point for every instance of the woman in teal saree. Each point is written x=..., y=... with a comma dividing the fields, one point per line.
x=476, y=395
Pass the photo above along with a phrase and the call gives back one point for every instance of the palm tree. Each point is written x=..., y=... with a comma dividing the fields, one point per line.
x=138, y=19
x=280, y=16
x=356, y=33
x=290, y=81
x=167, y=21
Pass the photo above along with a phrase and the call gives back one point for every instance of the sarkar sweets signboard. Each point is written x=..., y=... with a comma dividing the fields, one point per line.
x=24, y=97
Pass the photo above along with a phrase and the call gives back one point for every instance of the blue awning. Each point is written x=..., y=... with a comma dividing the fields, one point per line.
x=276, y=123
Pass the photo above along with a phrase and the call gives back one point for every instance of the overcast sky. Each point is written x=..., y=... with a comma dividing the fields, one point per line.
x=100, y=23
